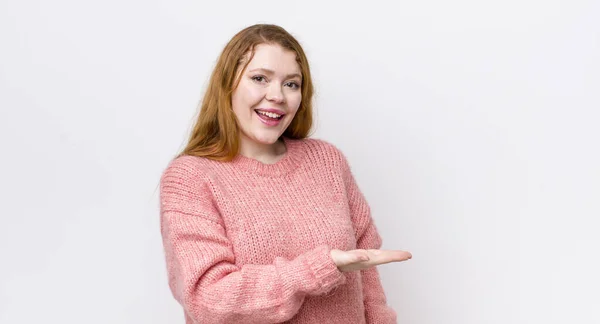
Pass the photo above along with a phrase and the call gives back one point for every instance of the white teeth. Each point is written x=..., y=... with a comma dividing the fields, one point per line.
x=269, y=114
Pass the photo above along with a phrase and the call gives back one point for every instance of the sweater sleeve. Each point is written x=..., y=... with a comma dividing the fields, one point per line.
x=376, y=308
x=203, y=276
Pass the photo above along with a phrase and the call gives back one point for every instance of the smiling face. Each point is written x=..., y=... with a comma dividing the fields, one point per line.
x=268, y=94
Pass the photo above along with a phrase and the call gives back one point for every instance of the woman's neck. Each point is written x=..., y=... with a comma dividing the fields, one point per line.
x=265, y=153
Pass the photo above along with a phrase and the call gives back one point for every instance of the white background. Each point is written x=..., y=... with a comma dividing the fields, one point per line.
x=471, y=126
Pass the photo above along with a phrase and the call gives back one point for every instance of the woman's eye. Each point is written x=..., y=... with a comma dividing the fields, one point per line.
x=258, y=78
x=293, y=85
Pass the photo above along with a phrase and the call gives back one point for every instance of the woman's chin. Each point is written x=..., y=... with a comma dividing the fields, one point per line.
x=269, y=138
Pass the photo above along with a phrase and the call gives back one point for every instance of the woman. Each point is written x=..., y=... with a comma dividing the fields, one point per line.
x=261, y=224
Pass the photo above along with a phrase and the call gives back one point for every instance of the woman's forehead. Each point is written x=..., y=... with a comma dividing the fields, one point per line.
x=274, y=58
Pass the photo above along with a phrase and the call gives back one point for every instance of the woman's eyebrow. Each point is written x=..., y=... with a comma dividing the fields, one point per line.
x=271, y=72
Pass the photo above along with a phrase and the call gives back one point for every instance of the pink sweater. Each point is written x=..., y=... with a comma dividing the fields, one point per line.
x=247, y=242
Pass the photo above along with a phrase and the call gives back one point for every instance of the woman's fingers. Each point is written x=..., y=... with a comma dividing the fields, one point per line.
x=363, y=259
x=386, y=256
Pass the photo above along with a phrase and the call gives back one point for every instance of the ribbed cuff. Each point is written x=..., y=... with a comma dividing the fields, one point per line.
x=324, y=269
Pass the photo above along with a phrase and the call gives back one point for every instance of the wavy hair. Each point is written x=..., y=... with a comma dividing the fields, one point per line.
x=215, y=134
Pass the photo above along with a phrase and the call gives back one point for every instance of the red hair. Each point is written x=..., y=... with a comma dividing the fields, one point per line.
x=216, y=133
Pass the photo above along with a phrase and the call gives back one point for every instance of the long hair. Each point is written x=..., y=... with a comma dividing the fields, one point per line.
x=216, y=133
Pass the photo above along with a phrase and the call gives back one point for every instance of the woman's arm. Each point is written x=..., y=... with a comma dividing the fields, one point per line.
x=376, y=308
x=202, y=274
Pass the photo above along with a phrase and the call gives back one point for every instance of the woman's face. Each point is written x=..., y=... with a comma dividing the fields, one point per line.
x=268, y=95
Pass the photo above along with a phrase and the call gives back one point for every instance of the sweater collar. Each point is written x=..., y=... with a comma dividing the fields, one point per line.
x=288, y=163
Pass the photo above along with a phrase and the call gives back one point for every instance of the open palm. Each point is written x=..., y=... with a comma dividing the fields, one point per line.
x=363, y=259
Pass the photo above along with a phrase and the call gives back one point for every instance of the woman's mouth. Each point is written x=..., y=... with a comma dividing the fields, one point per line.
x=269, y=118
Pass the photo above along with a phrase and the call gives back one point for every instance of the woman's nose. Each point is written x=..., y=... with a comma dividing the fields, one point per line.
x=275, y=94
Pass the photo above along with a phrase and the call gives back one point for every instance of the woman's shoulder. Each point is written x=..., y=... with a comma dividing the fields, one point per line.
x=188, y=167
x=189, y=162
x=320, y=145
x=320, y=149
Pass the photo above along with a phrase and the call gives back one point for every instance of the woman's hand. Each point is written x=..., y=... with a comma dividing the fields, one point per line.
x=363, y=259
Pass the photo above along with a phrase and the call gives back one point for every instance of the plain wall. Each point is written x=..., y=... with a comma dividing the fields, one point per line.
x=471, y=127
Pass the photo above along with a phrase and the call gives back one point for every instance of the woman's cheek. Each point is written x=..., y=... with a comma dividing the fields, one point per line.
x=297, y=99
x=255, y=95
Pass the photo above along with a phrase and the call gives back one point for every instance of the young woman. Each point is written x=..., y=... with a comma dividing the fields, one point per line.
x=261, y=224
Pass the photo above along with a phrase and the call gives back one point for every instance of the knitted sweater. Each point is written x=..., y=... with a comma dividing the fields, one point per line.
x=248, y=242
